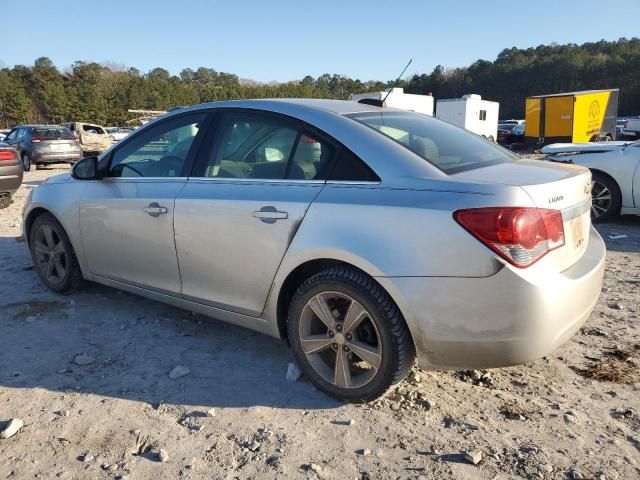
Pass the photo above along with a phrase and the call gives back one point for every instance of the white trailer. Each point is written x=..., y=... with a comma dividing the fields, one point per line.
x=471, y=113
x=398, y=99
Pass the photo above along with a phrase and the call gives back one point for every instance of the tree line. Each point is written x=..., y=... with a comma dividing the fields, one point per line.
x=98, y=93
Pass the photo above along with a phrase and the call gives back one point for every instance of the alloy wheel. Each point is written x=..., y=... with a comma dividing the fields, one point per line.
x=51, y=255
x=600, y=199
x=340, y=340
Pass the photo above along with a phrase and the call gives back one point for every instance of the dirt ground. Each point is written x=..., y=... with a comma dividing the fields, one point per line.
x=88, y=375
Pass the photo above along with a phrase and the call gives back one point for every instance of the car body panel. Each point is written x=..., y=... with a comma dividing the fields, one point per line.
x=400, y=231
x=530, y=315
x=219, y=239
x=124, y=243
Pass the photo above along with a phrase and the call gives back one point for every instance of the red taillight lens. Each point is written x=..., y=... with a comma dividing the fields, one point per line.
x=520, y=235
x=7, y=155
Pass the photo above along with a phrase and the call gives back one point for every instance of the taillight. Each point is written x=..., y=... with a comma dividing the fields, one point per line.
x=520, y=235
x=7, y=155
x=35, y=139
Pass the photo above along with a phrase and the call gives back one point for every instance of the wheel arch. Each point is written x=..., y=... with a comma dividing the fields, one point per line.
x=307, y=269
x=38, y=210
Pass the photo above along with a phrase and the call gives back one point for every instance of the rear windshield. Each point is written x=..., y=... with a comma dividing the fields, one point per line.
x=52, y=133
x=446, y=146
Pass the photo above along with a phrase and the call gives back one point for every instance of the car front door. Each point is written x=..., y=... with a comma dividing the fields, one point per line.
x=126, y=218
x=239, y=211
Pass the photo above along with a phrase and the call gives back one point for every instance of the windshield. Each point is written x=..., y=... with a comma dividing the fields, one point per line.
x=446, y=146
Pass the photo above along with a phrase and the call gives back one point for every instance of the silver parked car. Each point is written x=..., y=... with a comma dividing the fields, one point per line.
x=365, y=236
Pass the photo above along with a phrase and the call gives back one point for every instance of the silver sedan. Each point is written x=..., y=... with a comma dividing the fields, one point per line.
x=367, y=237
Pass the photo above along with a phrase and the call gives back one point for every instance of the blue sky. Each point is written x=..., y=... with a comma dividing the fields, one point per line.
x=285, y=40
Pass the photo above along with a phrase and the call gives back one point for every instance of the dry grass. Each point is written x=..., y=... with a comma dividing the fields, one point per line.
x=34, y=308
x=618, y=365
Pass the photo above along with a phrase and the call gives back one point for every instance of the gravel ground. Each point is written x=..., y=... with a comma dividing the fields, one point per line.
x=88, y=375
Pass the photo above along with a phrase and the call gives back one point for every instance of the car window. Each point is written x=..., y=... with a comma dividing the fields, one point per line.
x=449, y=148
x=312, y=158
x=52, y=132
x=22, y=132
x=348, y=167
x=159, y=151
x=259, y=146
x=12, y=134
x=94, y=129
x=252, y=146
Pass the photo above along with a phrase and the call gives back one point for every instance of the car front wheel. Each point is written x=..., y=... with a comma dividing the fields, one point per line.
x=53, y=255
x=348, y=336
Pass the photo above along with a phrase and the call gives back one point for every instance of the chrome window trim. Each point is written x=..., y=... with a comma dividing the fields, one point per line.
x=255, y=180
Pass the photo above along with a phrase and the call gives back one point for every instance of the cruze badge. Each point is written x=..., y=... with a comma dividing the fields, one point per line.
x=556, y=198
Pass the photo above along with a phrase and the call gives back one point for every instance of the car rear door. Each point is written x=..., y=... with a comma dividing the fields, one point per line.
x=126, y=218
x=239, y=211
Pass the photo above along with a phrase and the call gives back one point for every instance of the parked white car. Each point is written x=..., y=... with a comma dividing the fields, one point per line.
x=118, y=133
x=615, y=168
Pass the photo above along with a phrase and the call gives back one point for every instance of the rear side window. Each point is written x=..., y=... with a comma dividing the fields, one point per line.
x=449, y=148
x=348, y=167
x=267, y=147
x=94, y=129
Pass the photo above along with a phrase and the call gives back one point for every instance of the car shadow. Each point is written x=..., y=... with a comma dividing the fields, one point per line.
x=621, y=234
x=130, y=344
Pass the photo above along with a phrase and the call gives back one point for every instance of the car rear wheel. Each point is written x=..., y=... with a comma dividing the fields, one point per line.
x=26, y=161
x=348, y=336
x=53, y=255
x=605, y=198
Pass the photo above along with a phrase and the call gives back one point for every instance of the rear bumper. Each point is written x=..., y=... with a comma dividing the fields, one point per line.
x=48, y=157
x=509, y=318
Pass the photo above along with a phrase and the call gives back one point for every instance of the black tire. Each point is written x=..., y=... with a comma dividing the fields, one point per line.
x=72, y=279
x=26, y=161
x=397, y=349
x=613, y=208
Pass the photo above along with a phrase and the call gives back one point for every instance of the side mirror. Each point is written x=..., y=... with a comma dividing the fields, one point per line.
x=86, y=169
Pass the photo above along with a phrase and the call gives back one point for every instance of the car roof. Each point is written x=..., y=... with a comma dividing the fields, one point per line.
x=340, y=107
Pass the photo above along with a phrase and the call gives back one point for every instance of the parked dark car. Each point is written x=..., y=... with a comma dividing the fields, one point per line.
x=504, y=133
x=43, y=144
x=10, y=174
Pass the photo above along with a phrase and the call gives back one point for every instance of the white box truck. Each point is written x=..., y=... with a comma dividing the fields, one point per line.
x=396, y=98
x=472, y=113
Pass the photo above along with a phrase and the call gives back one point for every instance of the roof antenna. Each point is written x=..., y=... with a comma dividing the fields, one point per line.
x=396, y=82
x=380, y=103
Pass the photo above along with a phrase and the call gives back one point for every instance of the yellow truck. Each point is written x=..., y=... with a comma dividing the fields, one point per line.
x=574, y=117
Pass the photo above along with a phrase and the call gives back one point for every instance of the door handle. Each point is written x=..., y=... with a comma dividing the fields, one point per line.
x=270, y=214
x=155, y=210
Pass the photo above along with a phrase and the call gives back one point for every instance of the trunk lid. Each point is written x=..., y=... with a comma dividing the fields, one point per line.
x=552, y=186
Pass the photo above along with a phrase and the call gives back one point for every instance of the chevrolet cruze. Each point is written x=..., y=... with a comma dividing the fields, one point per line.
x=365, y=236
